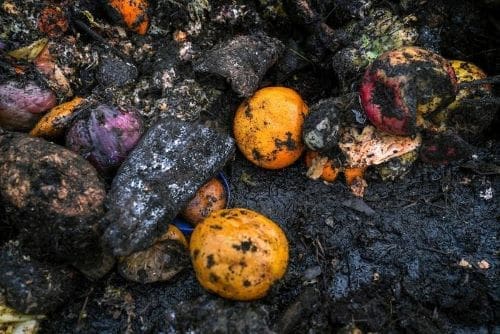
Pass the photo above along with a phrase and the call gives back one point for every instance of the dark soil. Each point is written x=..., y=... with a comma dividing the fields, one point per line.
x=389, y=263
x=394, y=270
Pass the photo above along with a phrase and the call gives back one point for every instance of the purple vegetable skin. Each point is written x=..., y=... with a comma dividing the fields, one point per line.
x=106, y=137
x=21, y=106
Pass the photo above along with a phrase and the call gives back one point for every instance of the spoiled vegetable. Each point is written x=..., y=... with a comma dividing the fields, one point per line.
x=172, y=160
x=55, y=198
x=22, y=105
x=106, y=136
x=160, y=262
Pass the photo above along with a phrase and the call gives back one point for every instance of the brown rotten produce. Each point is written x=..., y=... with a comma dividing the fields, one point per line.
x=54, y=197
x=403, y=87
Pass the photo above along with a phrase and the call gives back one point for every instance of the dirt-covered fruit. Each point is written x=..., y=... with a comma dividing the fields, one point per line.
x=268, y=127
x=106, y=136
x=401, y=88
x=238, y=253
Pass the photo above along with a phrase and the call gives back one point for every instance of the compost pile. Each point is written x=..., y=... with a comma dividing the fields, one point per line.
x=142, y=103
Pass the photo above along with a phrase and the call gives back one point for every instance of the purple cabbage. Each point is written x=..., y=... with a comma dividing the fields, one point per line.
x=106, y=136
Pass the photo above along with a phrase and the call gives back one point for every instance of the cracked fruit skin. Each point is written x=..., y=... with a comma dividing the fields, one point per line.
x=238, y=253
x=401, y=88
x=268, y=127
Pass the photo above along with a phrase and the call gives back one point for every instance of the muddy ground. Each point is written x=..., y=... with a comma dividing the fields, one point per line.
x=389, y=263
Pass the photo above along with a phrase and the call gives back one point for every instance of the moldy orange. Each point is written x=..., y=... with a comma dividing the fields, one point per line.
x=268, y=127
x=238, y=253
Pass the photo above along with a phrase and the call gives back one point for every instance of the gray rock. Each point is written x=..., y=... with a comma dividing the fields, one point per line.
x=160, y=175
x=321, y=126
x=243, y=61
x=114, y=72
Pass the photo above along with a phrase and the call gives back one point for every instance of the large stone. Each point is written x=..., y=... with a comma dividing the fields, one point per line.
x=243, y=61
x=161, y=174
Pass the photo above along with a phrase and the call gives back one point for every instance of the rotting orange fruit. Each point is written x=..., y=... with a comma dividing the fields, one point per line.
x=320, y=167
x=53, y=123
x=238, y=253
x=268, y=127
x=355, y=179
x=173, y=233
x=133, y=12
x=209, y=198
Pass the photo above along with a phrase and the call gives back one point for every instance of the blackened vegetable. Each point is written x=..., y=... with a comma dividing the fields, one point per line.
x=170, y=163
x=54, y=197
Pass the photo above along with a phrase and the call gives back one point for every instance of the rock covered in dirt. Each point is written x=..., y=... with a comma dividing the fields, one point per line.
x=115, y=72
x=31, y=286
x=243, y=61
x=321, y=126
x=209, y=315
x=170, y=163
x=53, y=196
x=186, y=100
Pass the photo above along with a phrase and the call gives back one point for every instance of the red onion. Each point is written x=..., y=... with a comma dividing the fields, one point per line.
x=21, y=106
x=106, y=136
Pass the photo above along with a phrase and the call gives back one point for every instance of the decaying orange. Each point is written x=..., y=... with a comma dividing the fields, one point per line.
x=209, y=198
x=53, y=123
x=268, y=127
x=321, y=167
x=133, y=12
x=238, y=253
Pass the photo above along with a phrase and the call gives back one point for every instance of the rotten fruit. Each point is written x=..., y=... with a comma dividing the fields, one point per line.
x=209, y=198
x=403, y=87
x=268, y=127
x=238, y=253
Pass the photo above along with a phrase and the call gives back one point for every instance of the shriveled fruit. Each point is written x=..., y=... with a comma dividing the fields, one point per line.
x=268, y=127
x=53, y=123
x=404, y=86
x=238, y=253
x=209, y=198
